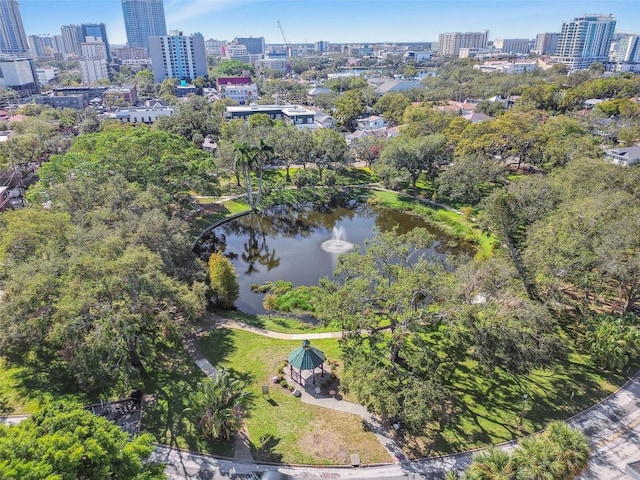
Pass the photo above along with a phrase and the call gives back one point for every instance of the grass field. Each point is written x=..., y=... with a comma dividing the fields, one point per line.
x=282, y=428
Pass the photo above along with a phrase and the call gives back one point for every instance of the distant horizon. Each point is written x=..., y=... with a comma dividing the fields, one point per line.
x=336, y=21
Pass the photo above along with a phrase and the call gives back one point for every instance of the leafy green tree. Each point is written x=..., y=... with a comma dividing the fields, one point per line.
x=329, y=148
x=612, y=341
x=218, y=404
x=232, y=68
x=349, y=106
x=469, y=179
x=223, y=280
x=67, y=441
x=392, y=107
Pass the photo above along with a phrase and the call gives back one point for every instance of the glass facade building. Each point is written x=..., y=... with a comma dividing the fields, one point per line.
x=13, y=40
x=143, y=19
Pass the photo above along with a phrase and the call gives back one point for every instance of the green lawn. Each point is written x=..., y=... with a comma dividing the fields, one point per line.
x=276, y=323
x=282, y=428
x=174, y=377
x=450, y=222
x=26, y=388
x=488, y=410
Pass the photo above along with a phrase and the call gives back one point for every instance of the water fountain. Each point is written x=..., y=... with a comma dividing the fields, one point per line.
x=336, y=244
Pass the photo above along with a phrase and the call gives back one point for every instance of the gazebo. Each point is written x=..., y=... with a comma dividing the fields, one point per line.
x=306, y=357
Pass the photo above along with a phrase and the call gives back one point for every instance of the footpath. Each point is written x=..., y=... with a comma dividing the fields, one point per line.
x=612, y=426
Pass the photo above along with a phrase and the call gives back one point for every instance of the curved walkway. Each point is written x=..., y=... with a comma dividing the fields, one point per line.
x=612, y=426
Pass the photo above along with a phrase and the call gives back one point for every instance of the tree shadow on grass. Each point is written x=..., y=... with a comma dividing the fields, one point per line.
x=45, y=375
x=264, y=451
x=172, y=380
x=217, y=345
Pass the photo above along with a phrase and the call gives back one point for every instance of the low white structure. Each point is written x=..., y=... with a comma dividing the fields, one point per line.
x=242, y=94
x=626, y=156
x=373, y=122
x=142, y=114
x=507, y=67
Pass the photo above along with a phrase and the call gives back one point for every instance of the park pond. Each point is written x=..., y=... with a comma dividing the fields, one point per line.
x=286, y=242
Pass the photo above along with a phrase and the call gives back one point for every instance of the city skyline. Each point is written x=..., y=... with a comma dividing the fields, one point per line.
x=336, y=21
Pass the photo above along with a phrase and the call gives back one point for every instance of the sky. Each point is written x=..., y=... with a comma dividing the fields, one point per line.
x=336, y=21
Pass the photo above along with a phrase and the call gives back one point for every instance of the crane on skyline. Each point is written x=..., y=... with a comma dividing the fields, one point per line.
x=286, y=42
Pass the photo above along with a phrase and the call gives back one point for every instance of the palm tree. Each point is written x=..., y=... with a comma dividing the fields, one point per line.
x=536, y=459
x=492, y=464
x=262, y=152
x=572, y=448
x=244, y=161
x=219, y=403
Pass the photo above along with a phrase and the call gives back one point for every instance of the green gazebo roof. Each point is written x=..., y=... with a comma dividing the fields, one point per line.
x=306, y=357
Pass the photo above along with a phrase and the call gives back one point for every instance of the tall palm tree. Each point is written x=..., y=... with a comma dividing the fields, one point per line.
x=244, y=161
x=262, y=152
x=492, y=464
x=572, y=448
x=219, y=403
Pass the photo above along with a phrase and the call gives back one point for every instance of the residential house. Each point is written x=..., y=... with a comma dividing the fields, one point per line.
x=372, y=122
x=627, y=156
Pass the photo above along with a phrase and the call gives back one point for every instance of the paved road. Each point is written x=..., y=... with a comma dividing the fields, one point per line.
x=613, y=428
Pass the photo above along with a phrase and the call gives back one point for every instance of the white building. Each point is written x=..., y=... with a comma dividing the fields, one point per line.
x=178, y=56
x=237, y=51
x=46, y=74
x=506, y=67
x=373, y=122
x=240, y=93
x=280, y=64
x=626, y=156
x=450, y=43
x=520, y=46
x=93, y=70
x=94, y=50
x=142, y=114
x=585, y=40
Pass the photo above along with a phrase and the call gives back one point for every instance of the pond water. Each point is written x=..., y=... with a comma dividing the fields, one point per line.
x=285, y=243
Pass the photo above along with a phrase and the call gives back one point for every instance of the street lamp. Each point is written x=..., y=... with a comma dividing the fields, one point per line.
x=524, y=404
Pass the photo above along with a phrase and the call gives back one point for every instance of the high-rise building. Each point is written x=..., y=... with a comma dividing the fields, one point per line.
x=19, y=74
x=13, y=40
x=46, y=47
x=71, y=39
x=322, y=46
x=178, y=56
x=96, y=32
x=513, y=45
x=143, y=19
x=546, y=43
x=255, y=46
x=585, y=40
x=93, y=70
x=451, y=43
x=236, y=51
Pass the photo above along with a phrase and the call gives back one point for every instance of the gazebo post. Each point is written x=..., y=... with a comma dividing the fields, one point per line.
x=322, y=369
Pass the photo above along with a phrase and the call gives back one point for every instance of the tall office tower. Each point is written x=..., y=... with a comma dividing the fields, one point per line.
x=451, y=43
x=178, y=56
x=13, y=40
x=546, y=43
x=72, y=38
x=45, y=47
x=143, y=19
x=255, y=46
x=322, y=46
x=585, y=40
x=96, y=32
